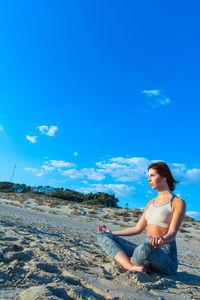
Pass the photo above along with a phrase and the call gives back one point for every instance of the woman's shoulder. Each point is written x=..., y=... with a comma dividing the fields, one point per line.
x=178, y=202
x=149, y=203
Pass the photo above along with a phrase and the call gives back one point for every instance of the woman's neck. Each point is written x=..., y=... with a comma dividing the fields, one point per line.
x=164, y=193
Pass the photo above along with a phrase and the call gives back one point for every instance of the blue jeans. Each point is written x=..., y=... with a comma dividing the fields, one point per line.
x=161, y=260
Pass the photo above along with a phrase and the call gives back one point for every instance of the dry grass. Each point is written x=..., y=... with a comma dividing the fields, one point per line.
x=105, y=217
x=181, y=229
x=117, y=214
x=125, y=215
x=92, y=211
x=101, y=219
x=114, y=217
x=21, y=199
x=37, y=209
x=136, y=214
x=75, y=211
x=187, y=236
x=40, y=202
x=13, y=204
x=125, y=218
x=115, y=223
x=51, y=205
x=52, y=212
x=89, y=215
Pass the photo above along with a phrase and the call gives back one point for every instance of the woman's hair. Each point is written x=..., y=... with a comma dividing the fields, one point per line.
x=163, y=170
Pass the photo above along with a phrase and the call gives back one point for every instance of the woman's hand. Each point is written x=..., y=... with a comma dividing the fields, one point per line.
x=102, y=228
x=156, y=242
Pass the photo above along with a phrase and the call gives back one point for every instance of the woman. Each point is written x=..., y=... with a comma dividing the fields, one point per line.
x=162, y=217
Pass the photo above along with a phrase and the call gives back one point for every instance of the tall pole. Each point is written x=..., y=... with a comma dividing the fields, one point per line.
x=13, y=173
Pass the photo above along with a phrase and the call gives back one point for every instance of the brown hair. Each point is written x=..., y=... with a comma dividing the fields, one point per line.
x=164, y=171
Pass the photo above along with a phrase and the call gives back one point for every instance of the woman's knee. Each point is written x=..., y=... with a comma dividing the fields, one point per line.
x=141, y=254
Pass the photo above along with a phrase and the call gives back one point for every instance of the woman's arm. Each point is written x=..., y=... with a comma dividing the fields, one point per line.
x=142, y=223
x=133, y=230
x=179, y=207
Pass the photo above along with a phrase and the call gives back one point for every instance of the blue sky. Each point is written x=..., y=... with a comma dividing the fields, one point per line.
x=94, y=91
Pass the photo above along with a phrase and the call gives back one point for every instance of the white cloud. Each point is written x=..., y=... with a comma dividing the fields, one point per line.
x=180, y=167
x=40, y=172
x=35, y=171
x=194, y=214
x=151, y=93
x=50, y=166
x=120, y=169
x=32, y=139
x=61, y=164
x=47, y=168
x=1, y=128
x=75, y=153
x=156, y=98
x=120, y=190
x=92, y=174
x=85, y=181
x=178, y=170
x=86, y=173
x=186, y=176
x=125, y=169
x=140, y=161
x=134, y=169
x=48, y=130
x=32, y=170
x=72, y=173
x=163, y=101
x=93, y=188
x=192, y=176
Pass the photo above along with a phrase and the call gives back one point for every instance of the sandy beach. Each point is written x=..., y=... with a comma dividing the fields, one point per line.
x=48, y=250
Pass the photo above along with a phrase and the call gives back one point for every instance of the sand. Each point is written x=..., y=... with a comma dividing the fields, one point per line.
x=50, y=251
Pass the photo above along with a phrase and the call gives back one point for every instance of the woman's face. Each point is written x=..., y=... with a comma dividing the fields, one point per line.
x=155, y=180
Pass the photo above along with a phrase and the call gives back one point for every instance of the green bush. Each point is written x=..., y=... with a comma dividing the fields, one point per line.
x=104, y=199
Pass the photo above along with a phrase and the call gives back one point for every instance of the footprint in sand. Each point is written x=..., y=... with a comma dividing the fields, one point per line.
x=10, y=256
x=48, y=268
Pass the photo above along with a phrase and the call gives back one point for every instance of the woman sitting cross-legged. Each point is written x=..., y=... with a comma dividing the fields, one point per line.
x=162, y=218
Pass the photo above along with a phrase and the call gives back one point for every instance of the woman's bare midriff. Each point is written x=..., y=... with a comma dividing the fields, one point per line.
x=155, y=230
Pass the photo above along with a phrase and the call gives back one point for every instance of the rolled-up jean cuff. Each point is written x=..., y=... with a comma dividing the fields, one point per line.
x=108, y=244
x=115, y=251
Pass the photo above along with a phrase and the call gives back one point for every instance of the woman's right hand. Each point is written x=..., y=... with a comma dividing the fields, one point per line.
x=102, y=228
x=157, y=242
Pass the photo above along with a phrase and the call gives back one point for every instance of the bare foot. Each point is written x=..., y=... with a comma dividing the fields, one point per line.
x=127, y=263
x=137, y=268
x=131, y=260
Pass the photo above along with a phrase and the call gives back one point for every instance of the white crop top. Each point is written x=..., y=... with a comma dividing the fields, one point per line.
x=159, y=215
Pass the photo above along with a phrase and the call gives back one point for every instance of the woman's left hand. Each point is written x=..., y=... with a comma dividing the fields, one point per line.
x=102, y=228
x=157, y=242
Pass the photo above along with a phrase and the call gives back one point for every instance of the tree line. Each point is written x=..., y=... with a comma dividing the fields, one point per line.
x=108, y=200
